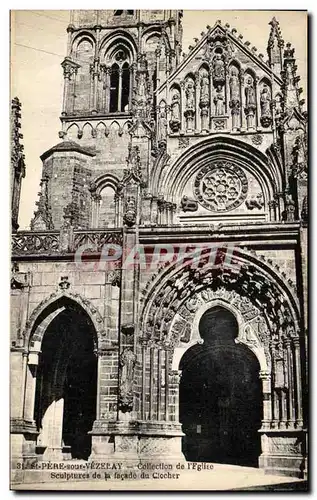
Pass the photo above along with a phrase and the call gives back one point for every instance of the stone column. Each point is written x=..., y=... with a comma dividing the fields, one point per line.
x=96, y=198
x=197, y=127
x=291, y=416
x=152, y=383
x=283, y=405
x=183, y=106
x=298, y=383
x=211, y=108
x=30, y=386
x=120, y=90
x=265, y=376
x=272, y=207
x=174, y=393
x=132, y=72
x=242, y=100
x=107, y=89
x=52, y=431
x=167, y=358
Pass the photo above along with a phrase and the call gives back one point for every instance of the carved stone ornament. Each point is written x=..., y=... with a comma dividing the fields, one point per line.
x=183, y=142
x=257, y=139
x=127, y=362
x=129, y=217
x=64, y=283
x=188, y=204
x=221, y=186
x=256, y=201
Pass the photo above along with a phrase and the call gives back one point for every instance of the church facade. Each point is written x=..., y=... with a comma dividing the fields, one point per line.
x=158, y=302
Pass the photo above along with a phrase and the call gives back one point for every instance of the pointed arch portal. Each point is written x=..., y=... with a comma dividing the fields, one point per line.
x=220, y=395
x=66, y=383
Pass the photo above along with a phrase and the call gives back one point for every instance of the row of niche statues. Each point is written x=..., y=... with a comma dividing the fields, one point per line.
x=218, y=98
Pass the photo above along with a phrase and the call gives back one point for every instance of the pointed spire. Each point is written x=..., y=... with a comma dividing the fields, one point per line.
x=291, y=89
x=275, y=46
x=17, y=161
x=42, y=219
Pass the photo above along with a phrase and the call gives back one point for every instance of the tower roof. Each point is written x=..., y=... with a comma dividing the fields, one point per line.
x=67, y=146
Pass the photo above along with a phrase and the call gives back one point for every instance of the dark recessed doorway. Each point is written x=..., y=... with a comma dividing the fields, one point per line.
x=67, y=374
x=220, y=395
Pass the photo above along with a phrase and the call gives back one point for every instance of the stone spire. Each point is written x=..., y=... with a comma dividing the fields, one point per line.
x=42, y=219
x=275, y=46
x=291, y=90
x=17, y=161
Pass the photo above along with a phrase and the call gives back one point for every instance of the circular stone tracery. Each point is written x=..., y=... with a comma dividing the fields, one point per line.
x=221, y=186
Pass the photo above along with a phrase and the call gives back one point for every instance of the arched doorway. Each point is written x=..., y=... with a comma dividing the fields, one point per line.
x=220, y=395
x=66, y=384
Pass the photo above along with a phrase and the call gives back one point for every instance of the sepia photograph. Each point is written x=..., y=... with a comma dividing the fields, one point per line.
x=159, y=218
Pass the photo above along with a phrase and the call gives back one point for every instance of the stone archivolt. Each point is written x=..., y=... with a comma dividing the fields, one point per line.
x=246, y=276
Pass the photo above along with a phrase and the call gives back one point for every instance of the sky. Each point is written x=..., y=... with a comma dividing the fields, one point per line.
x=38, y=46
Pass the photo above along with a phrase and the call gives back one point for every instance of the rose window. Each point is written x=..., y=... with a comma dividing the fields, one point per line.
x=221, y=186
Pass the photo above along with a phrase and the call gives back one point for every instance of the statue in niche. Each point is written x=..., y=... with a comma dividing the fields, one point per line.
x=218, y=100
x=265, y=104
x=188, y=204
x=250, y=94
x=204, y=88
x=190, y=95
x=278, y=107
x=141, y=85
x=175, y=112
x=127, y=362
x=162, y=126
x=218, y=69
x=175, y=108
x=234, y=85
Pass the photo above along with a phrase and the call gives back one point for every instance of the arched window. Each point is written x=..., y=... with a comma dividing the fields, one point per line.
x=114, y=88
x=120, y=83
x=107, y=209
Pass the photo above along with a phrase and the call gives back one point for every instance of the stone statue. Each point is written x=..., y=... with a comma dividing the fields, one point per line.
x=265, y=104
x=127, y=362
x=265, y=101
x=190, y=95
x=218, y=100
x=175, y=107
x=141, y=86
x=234, y=85
x=162, y=127
x=175, y=112
x=204, y=87
x=188, y=205
x=218, y=69
x=249, y=94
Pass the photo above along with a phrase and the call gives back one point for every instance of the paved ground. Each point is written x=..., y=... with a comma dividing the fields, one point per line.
x=222, y=477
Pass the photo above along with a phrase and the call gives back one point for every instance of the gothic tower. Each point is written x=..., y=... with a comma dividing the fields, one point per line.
x=164, y=276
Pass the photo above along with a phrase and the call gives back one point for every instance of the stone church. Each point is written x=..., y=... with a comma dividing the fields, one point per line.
x=159, y=299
